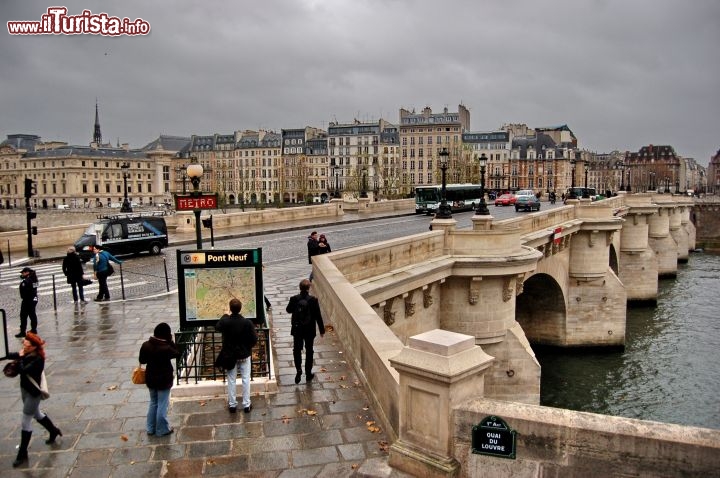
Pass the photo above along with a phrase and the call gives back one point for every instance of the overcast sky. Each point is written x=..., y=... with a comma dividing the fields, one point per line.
x=620, y=73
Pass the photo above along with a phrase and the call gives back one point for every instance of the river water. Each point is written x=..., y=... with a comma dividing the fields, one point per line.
x=669, y=370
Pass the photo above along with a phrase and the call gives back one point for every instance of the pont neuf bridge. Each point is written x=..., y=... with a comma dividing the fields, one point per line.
x=439, y=326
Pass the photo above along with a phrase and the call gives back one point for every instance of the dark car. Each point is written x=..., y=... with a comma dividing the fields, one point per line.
x=527, y=202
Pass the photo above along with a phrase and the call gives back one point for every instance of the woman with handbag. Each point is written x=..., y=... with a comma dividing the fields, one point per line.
x=73, y=269
x=103, y=269
x=157, y=352
x=31, y=369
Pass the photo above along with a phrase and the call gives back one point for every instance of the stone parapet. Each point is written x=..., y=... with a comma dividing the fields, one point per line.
x=557, y=442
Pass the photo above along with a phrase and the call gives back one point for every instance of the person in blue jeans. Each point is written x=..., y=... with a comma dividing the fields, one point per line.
x=238, y=339
x=101, y=268
x=157, y=352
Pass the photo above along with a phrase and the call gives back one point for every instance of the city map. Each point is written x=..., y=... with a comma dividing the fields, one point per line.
x=208, y=292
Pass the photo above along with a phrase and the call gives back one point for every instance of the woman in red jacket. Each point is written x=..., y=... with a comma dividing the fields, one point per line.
x=32, y=365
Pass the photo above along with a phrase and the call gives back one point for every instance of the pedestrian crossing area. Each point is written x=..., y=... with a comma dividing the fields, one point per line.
x=52, y=280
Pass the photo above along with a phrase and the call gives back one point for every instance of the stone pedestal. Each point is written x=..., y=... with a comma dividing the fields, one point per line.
x=438, y=369
x=444, y=224
x=482, y=223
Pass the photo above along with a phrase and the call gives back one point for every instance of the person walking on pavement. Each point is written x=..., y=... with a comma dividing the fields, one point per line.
x=305, y=310
x=103, y=269
x=31, y=366
x=157, y=352
x=313, y=247
x=28, y=301
x=238, y=339
x=73, y=269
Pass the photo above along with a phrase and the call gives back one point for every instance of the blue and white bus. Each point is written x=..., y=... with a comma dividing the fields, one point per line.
x=460, y=197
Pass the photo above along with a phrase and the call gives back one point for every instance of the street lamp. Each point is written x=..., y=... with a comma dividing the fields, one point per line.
x=195, y=172
x=444, y=211
x=652, y=181
x=667, y=185
x=621, y=165
x=336, y=194
x=586, y=193
x=126, y=207
x=363, y=191
x=482, y=209
x=572, y=194
x=628, y=189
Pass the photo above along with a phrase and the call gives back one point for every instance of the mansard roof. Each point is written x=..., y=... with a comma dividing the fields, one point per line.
x=87, y=152
x=538, y=142
x=21, y=141
x=168, y=143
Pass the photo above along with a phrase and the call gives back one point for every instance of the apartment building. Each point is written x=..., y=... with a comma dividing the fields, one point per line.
x=423, y=135
x=298, y=168
x=363, y=159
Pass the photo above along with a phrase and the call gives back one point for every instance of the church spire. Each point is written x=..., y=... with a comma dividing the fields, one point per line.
x=97, y=136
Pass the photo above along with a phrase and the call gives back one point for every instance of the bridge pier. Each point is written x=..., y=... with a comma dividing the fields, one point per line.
x=662, y=242
x=637, y=266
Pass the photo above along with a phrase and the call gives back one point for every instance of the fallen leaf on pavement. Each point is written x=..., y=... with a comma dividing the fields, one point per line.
x=124, y=437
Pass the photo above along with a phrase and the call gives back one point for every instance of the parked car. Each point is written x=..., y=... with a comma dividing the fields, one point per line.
x=505, y=200
x=527, y=202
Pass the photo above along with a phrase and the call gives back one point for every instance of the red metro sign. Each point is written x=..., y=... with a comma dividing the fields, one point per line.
x=191, y=203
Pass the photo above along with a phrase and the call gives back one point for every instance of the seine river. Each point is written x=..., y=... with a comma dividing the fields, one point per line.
x=669, y=370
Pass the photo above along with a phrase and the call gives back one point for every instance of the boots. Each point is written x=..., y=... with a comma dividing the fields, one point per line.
x=51, y=428
x=22, y=455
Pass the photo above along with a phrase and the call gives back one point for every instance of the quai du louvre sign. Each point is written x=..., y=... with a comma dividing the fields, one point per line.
x=191, y=202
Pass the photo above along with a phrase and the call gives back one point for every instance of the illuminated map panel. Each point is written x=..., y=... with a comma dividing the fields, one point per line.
x=209, y=279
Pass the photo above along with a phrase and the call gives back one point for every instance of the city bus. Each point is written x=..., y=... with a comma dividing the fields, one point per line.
x=460, y=197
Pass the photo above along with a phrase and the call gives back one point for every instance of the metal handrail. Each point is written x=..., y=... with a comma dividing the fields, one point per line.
x=199, y=348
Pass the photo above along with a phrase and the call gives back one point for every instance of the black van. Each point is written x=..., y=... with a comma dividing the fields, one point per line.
x=125, y=234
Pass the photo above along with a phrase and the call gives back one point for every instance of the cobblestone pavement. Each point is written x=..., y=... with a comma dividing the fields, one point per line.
x=324, y=428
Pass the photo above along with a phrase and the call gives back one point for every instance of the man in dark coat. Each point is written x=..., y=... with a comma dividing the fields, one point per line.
x=73, y=269
x=305, y=310
x=238, y=339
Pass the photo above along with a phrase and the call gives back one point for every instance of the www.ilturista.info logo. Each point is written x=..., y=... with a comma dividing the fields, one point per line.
x=57, y=22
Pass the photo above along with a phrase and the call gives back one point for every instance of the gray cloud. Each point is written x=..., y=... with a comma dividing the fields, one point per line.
x=620, y=74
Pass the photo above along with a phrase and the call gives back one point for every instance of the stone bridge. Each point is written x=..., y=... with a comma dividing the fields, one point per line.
x=563, y=277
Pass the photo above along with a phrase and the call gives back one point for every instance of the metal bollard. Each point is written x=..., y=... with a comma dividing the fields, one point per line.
x=167, y=282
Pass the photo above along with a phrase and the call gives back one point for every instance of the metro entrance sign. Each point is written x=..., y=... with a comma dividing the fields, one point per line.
x=191, y=202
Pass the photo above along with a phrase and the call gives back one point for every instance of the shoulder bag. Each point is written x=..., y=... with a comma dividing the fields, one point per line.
x=43, y=387
x=138, y=375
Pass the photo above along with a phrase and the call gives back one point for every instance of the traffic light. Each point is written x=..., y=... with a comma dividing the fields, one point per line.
x=30, y=188
x=33, y=229
x=207, y=222
x=31, y=215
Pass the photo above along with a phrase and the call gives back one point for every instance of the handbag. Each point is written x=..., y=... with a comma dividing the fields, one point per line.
x=85, y=281
x=12, y=368
x=110, y=269
x=138, y=375
x=225, y=360
x=43, y=387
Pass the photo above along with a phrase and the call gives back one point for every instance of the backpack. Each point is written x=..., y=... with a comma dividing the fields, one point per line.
x=302, y=315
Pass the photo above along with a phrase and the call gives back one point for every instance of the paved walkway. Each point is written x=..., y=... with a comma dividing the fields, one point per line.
x=325, y=428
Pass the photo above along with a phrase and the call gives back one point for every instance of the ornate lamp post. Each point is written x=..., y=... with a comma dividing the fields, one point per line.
x=482, y=209
x=667, y=185
x=652, y=181
x=621, y=165
x=586, y=194
x=444, y=211
x=572, y=194
x=195, y=172
x=628, y=189
x=336, y=194
x=363, y=190
x=677, y=186
x=126, y=207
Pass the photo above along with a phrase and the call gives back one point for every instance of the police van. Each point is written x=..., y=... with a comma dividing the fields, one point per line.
x=125, y=234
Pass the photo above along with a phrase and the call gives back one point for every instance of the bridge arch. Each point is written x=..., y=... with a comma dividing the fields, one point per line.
x=540, y=309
